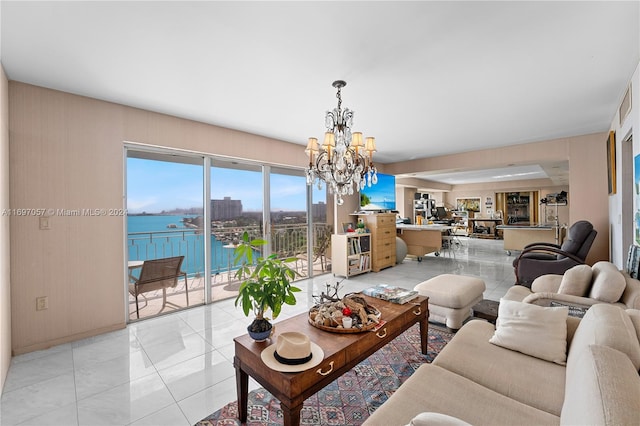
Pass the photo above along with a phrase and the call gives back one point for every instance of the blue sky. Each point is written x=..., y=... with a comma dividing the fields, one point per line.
x=153, y=186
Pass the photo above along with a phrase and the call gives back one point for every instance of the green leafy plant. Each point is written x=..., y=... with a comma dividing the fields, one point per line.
x=265, y=286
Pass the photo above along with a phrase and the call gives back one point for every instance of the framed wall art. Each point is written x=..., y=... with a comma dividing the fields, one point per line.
x=611, y=162
x=348, y=227
x=636, y=200
x=468, y=204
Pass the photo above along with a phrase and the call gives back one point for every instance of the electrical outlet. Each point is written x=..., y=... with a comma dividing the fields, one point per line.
x=42, y=303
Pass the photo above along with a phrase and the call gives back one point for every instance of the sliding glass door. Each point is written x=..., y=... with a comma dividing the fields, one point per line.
x=236, y=207
x=165, y=221
x=197, y=208
x=292, y=227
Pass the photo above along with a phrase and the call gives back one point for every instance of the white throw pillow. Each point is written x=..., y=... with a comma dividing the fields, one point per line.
x=533, y=330
x=436, y=419
x=576, y=281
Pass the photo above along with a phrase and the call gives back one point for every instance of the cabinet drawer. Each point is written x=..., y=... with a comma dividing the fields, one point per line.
x=385, y=256
x=372, y=338
x=387, y=232
x=390, y=330
x=387, y=243
x=305, y=379
x=386, y=220
x=385, y=259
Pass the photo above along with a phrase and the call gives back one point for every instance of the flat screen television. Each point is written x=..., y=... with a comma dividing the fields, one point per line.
x=381, y=196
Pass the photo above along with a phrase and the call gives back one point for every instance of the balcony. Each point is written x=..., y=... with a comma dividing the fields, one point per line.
x=286, y=241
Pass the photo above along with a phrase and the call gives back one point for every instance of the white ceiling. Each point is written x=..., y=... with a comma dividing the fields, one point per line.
x=485, y=175
x=425, y=78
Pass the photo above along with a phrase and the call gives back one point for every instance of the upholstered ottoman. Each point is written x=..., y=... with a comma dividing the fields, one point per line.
x=451, y=297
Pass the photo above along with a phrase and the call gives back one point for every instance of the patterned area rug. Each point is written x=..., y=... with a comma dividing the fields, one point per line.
x=350, y=399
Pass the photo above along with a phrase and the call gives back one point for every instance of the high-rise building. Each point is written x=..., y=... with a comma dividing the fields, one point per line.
x=319, y=212
x=226, y=209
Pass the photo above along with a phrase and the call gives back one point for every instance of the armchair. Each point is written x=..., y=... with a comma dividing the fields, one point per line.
x=545, y=258
x=158, y=274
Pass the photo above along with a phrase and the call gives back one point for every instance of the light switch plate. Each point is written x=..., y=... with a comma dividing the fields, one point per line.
x=42, y=303
x=44, y=223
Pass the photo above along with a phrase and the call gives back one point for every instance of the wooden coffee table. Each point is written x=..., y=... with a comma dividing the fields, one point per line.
x=342, y=352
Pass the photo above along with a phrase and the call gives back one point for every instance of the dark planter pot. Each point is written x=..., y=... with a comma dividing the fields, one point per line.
x=260, y=330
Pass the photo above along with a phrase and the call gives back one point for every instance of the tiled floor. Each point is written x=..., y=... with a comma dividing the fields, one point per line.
x=177, y=369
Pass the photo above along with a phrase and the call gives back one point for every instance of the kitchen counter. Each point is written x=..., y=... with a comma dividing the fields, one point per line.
x=436, y=226
x=516, y=237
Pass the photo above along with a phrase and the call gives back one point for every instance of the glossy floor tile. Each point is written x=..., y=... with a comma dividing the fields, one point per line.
x=178, y=368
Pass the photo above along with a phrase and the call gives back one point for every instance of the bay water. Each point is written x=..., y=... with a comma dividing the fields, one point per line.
x=158, y=236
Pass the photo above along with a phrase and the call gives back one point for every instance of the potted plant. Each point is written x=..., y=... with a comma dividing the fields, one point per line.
x=265, y=286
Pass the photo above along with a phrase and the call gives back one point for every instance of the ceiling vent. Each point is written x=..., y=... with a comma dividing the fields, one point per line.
x=625, y=106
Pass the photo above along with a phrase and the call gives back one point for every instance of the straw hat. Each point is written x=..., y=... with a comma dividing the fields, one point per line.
x=292, y=352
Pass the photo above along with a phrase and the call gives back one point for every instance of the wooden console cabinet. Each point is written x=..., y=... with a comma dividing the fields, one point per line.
x=382, y=227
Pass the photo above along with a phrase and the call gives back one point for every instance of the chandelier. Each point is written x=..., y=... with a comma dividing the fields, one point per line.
x=339, y=161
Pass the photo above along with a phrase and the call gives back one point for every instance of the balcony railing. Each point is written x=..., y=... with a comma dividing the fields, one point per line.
x=286, y=241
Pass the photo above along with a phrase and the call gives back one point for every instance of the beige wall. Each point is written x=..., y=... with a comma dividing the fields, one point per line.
x=66, y=152
x=5, y=276
x=587, y=180
x=588, y=189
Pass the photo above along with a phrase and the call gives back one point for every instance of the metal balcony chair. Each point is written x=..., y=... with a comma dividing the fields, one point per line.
x=323, y=240
x=158, y=274
x=546, y=258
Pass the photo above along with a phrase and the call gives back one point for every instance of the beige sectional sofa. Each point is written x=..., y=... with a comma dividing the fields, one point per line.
x=582, y=286
x=477, y=382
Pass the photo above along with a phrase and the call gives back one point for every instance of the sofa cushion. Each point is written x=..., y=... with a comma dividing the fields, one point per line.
x=546, y=283
x=603, y=389
x=631, y=295
x=436, y=419
x=432, y=388
x=533, y=330
x=517, y=293
x=608, y=282
x=634, y=316
x=605, y=325
x=576, y=281
x=510, y=373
